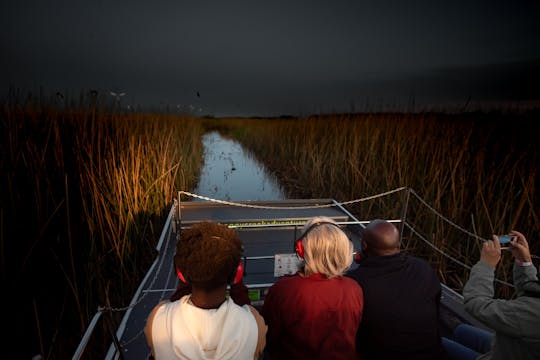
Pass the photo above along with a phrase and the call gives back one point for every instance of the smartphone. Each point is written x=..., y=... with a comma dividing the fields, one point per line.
x=504, y=240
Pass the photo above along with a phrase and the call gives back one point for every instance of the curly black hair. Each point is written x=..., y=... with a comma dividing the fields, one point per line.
x=208, y=254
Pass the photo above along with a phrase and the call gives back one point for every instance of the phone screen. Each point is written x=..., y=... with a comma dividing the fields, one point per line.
x=504, y=240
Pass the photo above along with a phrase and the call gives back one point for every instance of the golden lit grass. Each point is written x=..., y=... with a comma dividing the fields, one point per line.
x=132, y=174
x=85, y=191
x=475, y=169
x=85, y=194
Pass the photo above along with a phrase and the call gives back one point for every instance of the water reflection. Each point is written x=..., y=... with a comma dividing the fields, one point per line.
x=230, y=173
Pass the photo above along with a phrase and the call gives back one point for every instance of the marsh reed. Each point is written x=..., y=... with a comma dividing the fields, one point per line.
x=477, y=169
x=85, y=192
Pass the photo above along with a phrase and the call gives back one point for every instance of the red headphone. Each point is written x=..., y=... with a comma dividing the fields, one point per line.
x=358, y=256
x=299, y=247
x=234, y=279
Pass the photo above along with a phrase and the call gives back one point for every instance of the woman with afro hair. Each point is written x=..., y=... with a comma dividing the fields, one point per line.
x=199, y=321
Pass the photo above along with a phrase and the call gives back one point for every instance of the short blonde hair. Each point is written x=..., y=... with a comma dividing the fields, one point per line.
x=327, y=249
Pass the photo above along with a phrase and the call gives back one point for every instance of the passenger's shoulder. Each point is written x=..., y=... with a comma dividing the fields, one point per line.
x=348, y=278
x=352, y=283
x=285, y=282
x=162, y=304
x=353, y=274
x=418, y=261
x=421, y=266
x=160, y=308
x=290, y=278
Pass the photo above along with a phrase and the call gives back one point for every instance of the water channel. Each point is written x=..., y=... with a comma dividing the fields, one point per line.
x=231, y=173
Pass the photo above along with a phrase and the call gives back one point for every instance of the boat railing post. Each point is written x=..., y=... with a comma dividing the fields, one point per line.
x=406, y=196
x=178, y=216
x=108, y=322
x=86, y=338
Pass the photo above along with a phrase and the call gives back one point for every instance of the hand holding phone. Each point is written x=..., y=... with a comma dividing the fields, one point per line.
x=520, y=247
x=505, y=240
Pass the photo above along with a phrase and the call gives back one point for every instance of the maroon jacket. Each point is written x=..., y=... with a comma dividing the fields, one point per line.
x=312, y=317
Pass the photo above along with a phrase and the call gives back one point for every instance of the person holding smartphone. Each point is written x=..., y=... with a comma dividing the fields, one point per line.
x=516, y=322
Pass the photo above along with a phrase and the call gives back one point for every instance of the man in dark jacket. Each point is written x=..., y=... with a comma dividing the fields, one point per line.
x=401, y=300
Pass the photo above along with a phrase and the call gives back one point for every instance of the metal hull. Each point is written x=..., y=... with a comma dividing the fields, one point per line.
x=266, y=228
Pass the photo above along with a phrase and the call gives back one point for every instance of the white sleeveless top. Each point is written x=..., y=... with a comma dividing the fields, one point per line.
x=181, y=330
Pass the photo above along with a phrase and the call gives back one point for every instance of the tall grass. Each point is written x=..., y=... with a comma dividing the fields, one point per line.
x=477, y=169
x=85, y=191
x=84, y=196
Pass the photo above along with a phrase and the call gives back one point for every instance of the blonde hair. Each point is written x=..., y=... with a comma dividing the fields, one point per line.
x=327, y=249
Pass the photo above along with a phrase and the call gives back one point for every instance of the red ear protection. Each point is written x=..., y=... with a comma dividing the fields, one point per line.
x=234, y=279
x=299, y=247
x=180, y=276
x=357, y=256
x=238, y=274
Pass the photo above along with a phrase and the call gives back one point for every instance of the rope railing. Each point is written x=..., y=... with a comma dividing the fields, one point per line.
x=432, y=209
x=445, y=218
x=445, y=254
x=254, y=206
x=175, y=212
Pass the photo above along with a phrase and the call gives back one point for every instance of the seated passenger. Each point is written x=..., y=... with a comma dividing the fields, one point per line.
x=315, y=313
x=517, y=321
x=401, y=299
x=205, y=324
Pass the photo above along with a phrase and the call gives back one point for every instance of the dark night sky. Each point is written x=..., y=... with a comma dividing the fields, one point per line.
x=276, y=57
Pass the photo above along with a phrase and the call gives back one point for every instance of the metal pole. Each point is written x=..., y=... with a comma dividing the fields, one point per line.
x=404, y=213
x=179, y=217
x=179, y=203
x=82, y=345
x=108, y=322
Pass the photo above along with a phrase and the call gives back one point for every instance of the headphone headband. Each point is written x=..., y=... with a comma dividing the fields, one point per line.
x=299, y=247
x=315, y=225
x=233, y=279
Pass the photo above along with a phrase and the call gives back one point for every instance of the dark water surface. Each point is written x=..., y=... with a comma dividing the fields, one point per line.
x=230, y=173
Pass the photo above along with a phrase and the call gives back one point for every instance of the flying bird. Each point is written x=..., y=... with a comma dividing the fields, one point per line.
x=198, y=95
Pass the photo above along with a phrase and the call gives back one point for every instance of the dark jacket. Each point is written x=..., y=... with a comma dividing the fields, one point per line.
x=401, y=308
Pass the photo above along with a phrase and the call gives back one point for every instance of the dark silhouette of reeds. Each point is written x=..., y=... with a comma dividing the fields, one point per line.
x=85, y=192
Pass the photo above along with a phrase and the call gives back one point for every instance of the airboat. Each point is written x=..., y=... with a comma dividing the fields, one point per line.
x=268, y=230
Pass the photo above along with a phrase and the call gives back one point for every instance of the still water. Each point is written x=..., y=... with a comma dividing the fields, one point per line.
x=230, y=173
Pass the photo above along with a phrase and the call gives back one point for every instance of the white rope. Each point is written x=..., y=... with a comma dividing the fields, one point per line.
x=454, y=224
x=290, y=207
x=436, y=248
x=446, y=219
x=231, y=203
x=162, y=256
x=468, y=267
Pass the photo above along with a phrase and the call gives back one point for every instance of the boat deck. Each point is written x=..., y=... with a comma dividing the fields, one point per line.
x=268, y=230
x=264, y=232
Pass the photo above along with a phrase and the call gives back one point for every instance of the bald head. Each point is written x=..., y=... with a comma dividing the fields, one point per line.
x=381, y=238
